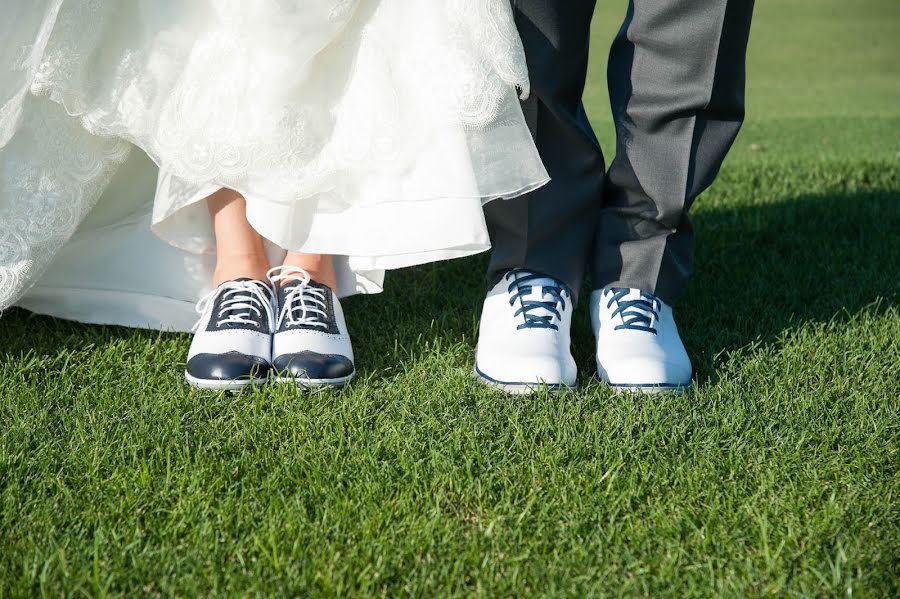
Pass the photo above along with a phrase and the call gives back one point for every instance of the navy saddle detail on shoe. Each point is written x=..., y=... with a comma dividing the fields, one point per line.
x=230, y=366
x=312, y=365
x=306, y=306
x=239, y=309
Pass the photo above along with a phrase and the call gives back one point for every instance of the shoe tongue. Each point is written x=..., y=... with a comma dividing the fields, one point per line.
x=536, y=294
x=537, y=287
x=243, y=297
x=289, y=284
x=247, y=280
x=544, y=282
x=637, y=294
x=644, y=310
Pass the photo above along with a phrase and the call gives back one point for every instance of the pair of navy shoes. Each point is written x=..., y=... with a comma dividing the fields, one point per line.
x=288, y=328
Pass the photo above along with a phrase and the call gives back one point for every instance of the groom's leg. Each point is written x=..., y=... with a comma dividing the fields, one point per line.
x=524, y=337
x=551, y=229
x=676, y=81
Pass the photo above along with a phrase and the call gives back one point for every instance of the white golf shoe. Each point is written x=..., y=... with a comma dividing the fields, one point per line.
x=638, y=346
x=524, y=340
x=311, y=346
x=232, y=344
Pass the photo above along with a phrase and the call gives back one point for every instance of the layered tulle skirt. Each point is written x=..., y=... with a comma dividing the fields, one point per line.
x=373, y=130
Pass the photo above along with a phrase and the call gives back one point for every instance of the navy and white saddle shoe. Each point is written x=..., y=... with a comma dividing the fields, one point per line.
x=638, y=346
x=524, y=339
x=232, y=345
x=311, y=346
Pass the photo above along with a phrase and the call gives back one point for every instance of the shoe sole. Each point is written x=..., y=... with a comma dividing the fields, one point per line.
x=659, y=389
x=217, y=385
x=519, y=388
x=645, y=388
x=313, y=383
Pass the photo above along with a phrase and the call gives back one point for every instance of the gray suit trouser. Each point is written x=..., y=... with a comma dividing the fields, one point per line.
x=676, y=78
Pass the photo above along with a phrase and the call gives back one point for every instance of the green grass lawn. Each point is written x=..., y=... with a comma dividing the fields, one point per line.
x=779, y=474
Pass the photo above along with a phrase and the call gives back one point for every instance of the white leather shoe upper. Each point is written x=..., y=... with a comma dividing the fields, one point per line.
x=524, y=339
x=638, y=346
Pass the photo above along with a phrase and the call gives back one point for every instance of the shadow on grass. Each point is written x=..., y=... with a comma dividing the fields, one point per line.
x=761, y=269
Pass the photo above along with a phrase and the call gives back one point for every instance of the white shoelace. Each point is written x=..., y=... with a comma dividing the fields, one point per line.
x=312, y=305
x=253, y=297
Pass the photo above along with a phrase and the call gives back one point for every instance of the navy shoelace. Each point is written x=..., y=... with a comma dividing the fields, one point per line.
x=637, y=314
x=520, y=287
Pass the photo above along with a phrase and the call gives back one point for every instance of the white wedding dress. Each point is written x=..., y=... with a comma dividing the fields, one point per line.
x=373, y=130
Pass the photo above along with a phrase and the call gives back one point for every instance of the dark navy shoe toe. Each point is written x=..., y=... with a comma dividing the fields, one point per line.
x=308, y=365
x=231, y=366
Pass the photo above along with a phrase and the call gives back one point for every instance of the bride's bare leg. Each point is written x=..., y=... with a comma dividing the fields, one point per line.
x=319, y=266
x=239, y=248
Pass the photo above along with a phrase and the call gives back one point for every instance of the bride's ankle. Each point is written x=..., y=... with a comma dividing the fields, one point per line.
x=233, y=267
x=319, y=266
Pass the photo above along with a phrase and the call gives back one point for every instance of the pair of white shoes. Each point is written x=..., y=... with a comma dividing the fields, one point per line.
x=287, y=327
x=524, y=339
